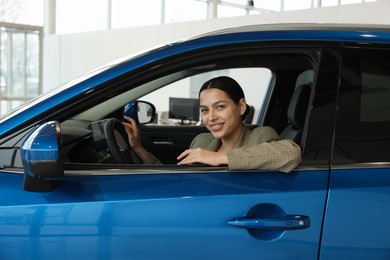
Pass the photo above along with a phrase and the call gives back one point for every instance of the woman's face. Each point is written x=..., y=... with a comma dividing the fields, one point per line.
x=220, y=114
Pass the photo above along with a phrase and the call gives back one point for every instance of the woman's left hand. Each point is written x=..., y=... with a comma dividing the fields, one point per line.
x=134, y=137
x=199, y=155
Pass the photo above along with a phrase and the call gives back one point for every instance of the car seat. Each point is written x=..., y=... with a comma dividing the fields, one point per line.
x=296, y=113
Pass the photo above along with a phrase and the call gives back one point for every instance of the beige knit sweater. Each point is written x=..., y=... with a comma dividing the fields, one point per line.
x=260, y=149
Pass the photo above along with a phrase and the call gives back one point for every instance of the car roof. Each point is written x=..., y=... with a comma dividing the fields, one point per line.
x=298, y=27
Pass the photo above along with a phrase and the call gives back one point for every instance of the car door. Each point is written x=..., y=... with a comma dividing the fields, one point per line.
x=189, y=212
x=356, y=223
x=172, y=214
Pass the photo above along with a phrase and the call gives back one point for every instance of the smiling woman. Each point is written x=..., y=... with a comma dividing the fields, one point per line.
x=223, y=108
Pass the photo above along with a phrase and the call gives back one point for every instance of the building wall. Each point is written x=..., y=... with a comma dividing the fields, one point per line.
x=69, y=56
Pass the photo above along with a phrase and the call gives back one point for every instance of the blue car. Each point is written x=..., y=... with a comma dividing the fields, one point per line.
x=71, y=188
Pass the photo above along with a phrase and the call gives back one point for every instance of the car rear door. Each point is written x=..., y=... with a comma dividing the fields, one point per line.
x=356, y=223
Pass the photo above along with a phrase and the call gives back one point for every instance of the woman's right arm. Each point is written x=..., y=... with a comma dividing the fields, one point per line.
x=278, y=155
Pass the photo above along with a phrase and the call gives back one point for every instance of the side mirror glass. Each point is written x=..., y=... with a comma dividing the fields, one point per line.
x=141, y=111
x=42, y=157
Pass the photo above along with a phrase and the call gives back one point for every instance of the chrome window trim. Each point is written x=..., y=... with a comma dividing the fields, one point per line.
x=313, y=167
x=346, y=166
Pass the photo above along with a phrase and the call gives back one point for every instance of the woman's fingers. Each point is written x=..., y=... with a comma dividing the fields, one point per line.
x=184, y=154
x=132, y=120
x=199, y=155
x=190, y=156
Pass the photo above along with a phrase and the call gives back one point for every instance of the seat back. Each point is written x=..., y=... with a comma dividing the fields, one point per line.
x=296, y=113
x=249, y=118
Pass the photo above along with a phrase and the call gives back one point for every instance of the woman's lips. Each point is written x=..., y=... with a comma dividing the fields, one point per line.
x=216, y=127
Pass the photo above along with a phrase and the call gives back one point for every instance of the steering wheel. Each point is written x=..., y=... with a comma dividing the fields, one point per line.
x=117, y=143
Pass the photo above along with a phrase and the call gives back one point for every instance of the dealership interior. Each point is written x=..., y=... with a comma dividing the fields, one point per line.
x=46, y=43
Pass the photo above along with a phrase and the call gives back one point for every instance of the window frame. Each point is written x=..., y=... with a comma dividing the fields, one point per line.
x=262, y=49
x=354, y=84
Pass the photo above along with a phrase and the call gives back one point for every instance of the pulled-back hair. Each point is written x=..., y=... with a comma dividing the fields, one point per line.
x=228, y=85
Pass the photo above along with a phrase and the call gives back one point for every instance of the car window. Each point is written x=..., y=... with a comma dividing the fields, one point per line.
x=363, y=119
x=268, y=79
x=173, y=100
x=269, y=82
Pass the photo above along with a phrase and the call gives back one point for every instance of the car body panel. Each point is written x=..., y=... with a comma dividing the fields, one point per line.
x=356, y=215
x=146, y=216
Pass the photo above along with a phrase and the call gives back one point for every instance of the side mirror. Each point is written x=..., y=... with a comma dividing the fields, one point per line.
x=141, y=111
x=42, y=157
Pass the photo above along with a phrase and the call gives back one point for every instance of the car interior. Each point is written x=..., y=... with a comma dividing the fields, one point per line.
x=85, y=135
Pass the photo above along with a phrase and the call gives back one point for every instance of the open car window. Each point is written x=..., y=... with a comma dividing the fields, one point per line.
x=179, y=100
x=267, y=78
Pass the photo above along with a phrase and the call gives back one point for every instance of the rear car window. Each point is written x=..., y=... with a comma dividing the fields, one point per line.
x=363, y=119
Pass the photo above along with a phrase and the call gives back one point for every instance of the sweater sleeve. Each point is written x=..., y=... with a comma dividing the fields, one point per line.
x=266, y=152
x=202, y=140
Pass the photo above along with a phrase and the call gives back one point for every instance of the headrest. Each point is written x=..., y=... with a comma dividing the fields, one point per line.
x=297, y=108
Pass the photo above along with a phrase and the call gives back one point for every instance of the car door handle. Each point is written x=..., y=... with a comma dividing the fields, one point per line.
x=288, y=222
x=158, y=140
x=163, y=143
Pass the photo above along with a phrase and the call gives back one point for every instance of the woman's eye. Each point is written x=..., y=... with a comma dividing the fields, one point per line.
x=220, y=107
x=203, y=110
